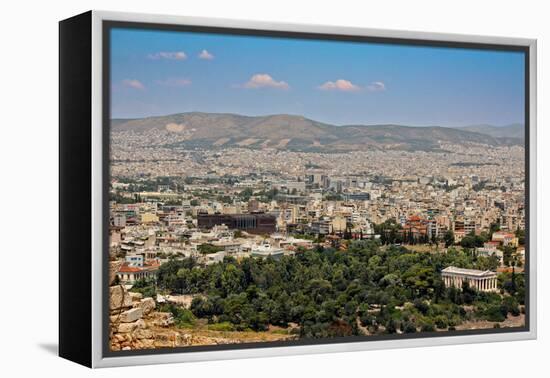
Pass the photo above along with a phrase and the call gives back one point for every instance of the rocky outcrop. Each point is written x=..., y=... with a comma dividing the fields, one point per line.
x=130, y=319
x=131, y=315
x=147, y=305
x=119, y=298
x=114, y=266
x=134, y=323
x=162, y=319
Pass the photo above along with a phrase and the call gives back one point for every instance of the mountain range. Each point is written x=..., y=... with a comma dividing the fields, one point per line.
x=292, y=132
x=515, y=130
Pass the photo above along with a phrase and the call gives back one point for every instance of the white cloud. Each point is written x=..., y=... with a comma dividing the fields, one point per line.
x=376, y=86
x=264, y=80
x=339, y=85
x=174, y=82
x=170, y=55
x=133, y=83
x=204, y=54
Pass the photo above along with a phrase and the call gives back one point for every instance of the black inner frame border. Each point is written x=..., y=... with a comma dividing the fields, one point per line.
x=108, y=25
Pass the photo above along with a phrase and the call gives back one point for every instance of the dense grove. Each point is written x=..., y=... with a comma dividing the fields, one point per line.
x=366, y=289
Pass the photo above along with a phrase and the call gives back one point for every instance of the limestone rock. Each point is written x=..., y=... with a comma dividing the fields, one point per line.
x=163, y=319
x=140, y=324
x=148, y=343
x=131, y=315
x=165, y=339
x=136, y=297
x=147, y=305
x=127, y=327
x=114, y=266
x=119, y=298
x=144, y=334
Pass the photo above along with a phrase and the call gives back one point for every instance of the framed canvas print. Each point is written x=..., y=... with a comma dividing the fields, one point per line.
x=236, y=189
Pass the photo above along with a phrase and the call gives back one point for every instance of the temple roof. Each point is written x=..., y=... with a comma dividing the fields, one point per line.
x=468, y=272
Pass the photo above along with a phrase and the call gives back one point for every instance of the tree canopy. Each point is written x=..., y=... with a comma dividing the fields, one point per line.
x=333, y=293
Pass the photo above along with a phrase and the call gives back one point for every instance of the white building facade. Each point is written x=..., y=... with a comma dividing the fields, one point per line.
x=478, y=279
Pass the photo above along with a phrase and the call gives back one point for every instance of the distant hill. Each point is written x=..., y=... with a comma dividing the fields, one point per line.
x=298, y=133
x=516, y=130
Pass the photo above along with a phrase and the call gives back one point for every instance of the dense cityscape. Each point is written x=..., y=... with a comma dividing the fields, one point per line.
x=255, y=242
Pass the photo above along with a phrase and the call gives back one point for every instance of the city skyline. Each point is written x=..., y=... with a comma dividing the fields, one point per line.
x=161, y=72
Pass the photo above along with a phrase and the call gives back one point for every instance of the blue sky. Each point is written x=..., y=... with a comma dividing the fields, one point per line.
x=162, y=72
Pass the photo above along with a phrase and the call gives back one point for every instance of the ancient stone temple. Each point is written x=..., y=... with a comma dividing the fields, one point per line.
x=478, y=279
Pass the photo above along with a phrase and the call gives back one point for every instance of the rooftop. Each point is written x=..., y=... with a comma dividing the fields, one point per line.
x=468, y=272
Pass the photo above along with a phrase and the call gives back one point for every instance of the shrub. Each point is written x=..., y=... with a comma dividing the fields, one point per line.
x=223, y=326
x=409, y=327
x=182, y=316
x=441, y=322
x=495, y=313
x=427, y=327
x=421, y=306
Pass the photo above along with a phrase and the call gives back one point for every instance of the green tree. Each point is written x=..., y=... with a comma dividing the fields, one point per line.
x=449, y=238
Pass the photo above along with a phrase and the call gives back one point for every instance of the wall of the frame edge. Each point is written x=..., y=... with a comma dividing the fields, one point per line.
x=75, y=82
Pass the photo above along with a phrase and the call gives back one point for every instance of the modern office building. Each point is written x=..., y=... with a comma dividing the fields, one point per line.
x=255, y=223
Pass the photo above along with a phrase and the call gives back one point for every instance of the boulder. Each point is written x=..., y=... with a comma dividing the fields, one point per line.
x=115, y=347
x=131, y=315
x=163, y=319
x=141, y=324
x=165, y=339
x=147, y=305
x=119, y=298
x=127, y=327
x=114, y=266
x=136, y=297
x=148, y=343
x=144, y=334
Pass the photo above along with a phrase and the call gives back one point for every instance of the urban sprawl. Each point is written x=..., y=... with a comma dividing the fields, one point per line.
x=189, y=227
